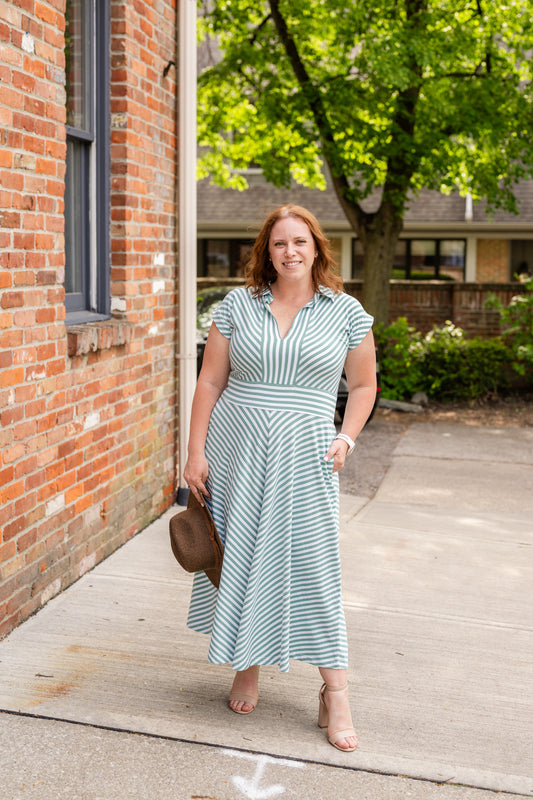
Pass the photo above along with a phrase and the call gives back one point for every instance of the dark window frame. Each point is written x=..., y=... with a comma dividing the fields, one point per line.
x=234, y=245
x=93, y=300
x=408, y=266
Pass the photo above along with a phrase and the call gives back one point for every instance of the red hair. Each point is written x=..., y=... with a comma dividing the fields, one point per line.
x=260, y=271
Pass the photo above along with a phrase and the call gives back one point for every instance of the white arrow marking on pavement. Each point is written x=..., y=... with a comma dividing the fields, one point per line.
x=251, y=788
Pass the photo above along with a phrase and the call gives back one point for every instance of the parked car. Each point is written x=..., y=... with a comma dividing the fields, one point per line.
x=207, y=302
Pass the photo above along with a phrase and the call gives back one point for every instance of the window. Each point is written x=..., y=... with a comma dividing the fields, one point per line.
x=521, y=257
x=421, y=259
x=87, y=174
x=223, y=258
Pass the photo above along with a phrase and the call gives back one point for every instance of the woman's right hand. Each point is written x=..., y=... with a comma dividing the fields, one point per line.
x=195, y=475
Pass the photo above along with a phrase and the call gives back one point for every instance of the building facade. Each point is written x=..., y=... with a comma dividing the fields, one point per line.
x=444, y=237
x=88, y=282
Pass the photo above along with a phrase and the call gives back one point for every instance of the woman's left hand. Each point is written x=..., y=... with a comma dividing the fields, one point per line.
x=337, y=451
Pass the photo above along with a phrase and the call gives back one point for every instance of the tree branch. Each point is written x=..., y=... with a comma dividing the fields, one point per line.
x=354, y=213
x=261, y=25
x=475, y=74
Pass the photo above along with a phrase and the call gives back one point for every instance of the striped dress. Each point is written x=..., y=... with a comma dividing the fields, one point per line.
x=275, y=500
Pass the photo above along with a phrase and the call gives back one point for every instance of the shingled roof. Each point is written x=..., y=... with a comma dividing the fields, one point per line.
x=246, y=210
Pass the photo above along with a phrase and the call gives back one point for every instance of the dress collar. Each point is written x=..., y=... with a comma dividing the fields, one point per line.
x=323, y=292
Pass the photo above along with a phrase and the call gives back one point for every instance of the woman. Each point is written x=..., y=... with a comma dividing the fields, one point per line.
x=264, y=450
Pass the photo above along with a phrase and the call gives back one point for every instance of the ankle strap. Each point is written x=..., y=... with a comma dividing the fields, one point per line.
x=336, y=688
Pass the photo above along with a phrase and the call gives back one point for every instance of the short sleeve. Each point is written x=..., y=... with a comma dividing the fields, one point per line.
x=359, y=324
x=223, y=316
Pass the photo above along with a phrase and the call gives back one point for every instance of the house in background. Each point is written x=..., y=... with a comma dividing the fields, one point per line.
x=89, y=344
x=450, y=255
x=444, y=236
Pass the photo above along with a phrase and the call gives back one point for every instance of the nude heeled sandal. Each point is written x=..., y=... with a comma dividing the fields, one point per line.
x=245, y=698
x=323, y=719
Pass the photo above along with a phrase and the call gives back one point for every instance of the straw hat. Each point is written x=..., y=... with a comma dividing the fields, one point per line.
x=195, y=541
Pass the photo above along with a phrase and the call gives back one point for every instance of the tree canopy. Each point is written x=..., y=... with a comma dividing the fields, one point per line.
x=391, y=95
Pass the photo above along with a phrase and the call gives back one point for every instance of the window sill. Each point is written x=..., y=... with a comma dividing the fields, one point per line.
x=89, y=337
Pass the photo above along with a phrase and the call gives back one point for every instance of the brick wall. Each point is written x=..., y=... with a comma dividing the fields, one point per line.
x=87, y=413
x=428, y=303
x=493, y=260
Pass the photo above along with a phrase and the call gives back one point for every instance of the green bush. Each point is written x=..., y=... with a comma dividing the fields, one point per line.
x=399, y=365
x=517, y=324
x=443, y=363
x=457, y=368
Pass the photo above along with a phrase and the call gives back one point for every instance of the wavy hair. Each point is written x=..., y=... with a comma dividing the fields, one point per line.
x=260, y=271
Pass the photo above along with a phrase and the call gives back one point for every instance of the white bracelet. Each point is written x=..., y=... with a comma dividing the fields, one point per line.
x=349, y=442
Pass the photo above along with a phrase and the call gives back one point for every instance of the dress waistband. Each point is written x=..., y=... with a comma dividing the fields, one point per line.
x=280, y=397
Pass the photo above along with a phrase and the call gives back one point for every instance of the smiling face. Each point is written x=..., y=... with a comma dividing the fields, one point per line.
x=292, y=249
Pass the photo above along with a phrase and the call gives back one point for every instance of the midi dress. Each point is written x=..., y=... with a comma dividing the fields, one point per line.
x=274, y=499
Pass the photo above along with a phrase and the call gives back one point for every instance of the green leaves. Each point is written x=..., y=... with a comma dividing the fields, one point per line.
x=390, y=95
x=427, y=93
x=444, y=363
x=517, y=323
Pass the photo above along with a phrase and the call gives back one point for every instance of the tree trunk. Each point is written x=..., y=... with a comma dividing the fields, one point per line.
x=379, y=234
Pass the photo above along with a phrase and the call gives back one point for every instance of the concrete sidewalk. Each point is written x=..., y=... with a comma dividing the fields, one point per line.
x=437, y=582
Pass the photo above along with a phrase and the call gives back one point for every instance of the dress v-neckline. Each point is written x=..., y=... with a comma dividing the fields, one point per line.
x=271, y=299
x=293, y=321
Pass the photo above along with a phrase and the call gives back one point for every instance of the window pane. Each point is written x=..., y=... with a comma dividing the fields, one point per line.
x=76, y=220
x=357, y=260
x=244, y=251
x=423, y=261
x=78, y=34
x=452, y=258
x=400, y=260
x=217, y=256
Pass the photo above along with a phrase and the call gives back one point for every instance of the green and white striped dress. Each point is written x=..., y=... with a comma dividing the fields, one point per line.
x=275, y=500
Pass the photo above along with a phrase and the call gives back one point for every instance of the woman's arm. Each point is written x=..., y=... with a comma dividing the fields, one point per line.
x=211, y=383
x=360, y=368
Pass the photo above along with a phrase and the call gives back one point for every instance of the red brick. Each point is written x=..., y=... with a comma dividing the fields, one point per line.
x=6, y=475
x=24, y=241
x=31, y=249
x=46, y=277
x=7, y=551
x=24, y=278
x=17, y=600
x=21, y=80
x=11, y=415
x=24, y=355
x=55, y=367
x=12, y=491
x=11, y=377
x=9, y=219
x=6, y=156
x=35, y=480
x=12, y=97
x=25, y=429
x=26, y=540
x=13, y=528
x=45, y=315
x=12, y=260
x=25, y=393
x=6, y=359
x=23, y=319
x=25, y=467
x=35, y=407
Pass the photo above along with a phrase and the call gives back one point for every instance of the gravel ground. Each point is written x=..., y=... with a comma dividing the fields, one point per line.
x=366, y=467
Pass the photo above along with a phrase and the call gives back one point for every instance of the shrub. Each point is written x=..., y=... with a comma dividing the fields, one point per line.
x=517, y=324
x=399, y=366
x=457, y=368
x=443, y=363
